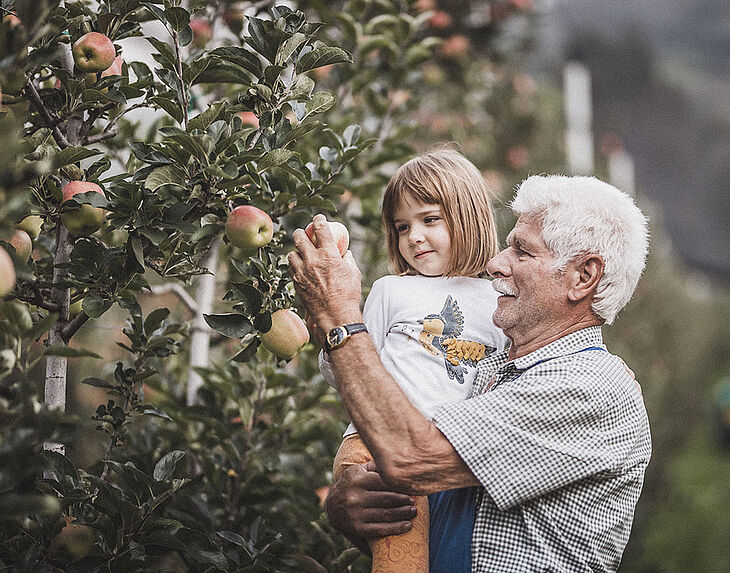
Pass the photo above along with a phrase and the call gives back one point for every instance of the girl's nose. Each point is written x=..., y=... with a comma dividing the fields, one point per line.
x=415, y=236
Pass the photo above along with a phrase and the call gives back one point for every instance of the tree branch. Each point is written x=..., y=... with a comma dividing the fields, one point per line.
x=100, y=136
x=73, y=325
x=50, y=122
x=181, y=293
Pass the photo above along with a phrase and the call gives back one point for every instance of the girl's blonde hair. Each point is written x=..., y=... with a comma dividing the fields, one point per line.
x=446, y=178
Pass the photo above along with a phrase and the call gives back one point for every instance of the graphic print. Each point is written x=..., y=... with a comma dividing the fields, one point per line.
x=440, y=337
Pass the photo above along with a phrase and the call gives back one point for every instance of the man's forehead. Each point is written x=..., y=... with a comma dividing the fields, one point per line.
x=526, y=230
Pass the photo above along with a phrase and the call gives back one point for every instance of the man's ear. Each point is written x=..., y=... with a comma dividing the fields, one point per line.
x=586, y=272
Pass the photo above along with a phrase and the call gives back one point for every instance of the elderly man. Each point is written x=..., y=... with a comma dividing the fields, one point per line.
x=555, y=435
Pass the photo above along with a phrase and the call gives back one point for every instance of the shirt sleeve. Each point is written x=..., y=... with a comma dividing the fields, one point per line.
x=375, y=312
x=542, y=432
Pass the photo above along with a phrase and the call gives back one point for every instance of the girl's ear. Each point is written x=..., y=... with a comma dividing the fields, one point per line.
x=586, y=272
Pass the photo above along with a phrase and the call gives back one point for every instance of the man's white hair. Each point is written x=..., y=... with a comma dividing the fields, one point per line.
x=581, y=215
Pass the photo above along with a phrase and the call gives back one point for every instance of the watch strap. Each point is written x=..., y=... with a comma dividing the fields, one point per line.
x=340, y=334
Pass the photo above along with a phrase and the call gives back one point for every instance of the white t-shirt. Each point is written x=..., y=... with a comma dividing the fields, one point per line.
x=430, y=332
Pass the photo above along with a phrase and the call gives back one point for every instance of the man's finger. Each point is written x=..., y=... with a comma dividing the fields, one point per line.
x=322, y=231
x=305, y=247
x=370, y=530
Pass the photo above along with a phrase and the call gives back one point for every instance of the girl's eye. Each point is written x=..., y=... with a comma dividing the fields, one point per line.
x=401, y=228
x=431, y=219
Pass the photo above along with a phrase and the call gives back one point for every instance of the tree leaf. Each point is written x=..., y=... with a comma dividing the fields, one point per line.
x=155, y=319
x=72, y=155
x=96, y=382
x=166, y=466
x=178, y=17
x=231, y=325
x=165, y=175
x=60, y=350
x=273, y=158
x=288, y=47
x=320, y=102
x=322, y=56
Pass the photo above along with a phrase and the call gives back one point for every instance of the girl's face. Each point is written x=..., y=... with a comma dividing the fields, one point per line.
x=423, y=237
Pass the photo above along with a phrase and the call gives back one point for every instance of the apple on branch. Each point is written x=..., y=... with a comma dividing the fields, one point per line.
x=93, y=52
x=202, y=32
x=7, y=273
x=22, y=243
x=86, y=219
x=287, y=335
x=249, y=227
x=339, y=232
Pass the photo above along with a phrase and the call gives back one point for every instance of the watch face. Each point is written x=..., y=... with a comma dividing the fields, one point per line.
x=335, y=336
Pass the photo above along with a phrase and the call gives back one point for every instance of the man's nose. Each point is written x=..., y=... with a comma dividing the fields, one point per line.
x=498, y=266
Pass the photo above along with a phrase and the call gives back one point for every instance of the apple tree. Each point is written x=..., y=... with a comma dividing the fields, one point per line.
x=119, y=208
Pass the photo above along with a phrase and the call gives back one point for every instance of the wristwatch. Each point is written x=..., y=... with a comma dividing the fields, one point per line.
x=339, y=334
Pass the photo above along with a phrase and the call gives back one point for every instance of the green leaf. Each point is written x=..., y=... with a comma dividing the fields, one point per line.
x=322, y=56
x=165, y=50
x=351, y=135
x=231, y=325
x=166, y=466
x=288, y=47
x=96, y=382
x=302, y=88
x=232, y=537
x=72, y=155
x=165, y=175
x=95, y=305
x=149, y=411
x=156, y=11
x=274, y=158
x=155, y=319
x=240, y=57
x=60, y=350
x=320, y=102
x=178, y=17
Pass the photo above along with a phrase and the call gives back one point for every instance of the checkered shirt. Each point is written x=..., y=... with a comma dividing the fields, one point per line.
x=559, y=440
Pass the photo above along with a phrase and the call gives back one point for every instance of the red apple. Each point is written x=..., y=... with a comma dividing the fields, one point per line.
x=23, y=244
x=339, y=232
x=202, y=32
x=115, y=69
x=454, y=46
x=12, y=20
x=7, y=273
x=440, y=20
x=93, y=52
x=287, y=335
x=32, y=225
x=248, y=118
x=87, y=219
x=249, y=227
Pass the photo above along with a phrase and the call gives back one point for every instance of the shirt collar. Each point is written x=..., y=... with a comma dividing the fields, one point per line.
x=568, y=344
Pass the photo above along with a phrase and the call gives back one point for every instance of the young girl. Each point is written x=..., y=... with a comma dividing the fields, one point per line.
x=431, y=323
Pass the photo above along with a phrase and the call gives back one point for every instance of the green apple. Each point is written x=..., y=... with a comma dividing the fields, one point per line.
x=339, y=232
x=87, y=219
x=287, y=334
x=7, y=274
x=249, y=227
x=32, y=225
x=22, y=243
x=74, y=542
x=93, y=52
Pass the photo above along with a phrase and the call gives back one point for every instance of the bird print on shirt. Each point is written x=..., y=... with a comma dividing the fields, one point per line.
x=440, y=336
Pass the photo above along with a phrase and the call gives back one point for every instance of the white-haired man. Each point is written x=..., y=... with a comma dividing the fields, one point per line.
x=555, y=435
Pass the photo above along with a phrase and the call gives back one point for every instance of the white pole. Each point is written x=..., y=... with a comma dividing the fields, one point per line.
x=200, y=337
x=621, y=171
x=577, y=104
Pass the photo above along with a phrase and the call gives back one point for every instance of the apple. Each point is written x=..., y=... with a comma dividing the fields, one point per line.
x=202, y=32
x=93, y=52
x=440, y=20
x=249, y=227
x=12, y=20
x=87, y=219
x=7, y=273
x=287, y=334
x=22, y=243
x=74, y=542
x=339, y=232
x=248, y=118
x=32, y=225
x=454, y=46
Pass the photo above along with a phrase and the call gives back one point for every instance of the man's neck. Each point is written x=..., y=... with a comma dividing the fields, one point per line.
x=523, y=348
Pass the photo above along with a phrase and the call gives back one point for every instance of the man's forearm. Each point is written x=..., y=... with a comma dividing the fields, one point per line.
x=410, y=452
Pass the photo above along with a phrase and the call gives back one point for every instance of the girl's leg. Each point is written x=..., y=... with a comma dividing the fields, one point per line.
x=406, y=553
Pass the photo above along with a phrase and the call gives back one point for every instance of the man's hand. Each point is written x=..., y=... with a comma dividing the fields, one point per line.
x=327, y=283
x=361, y=506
